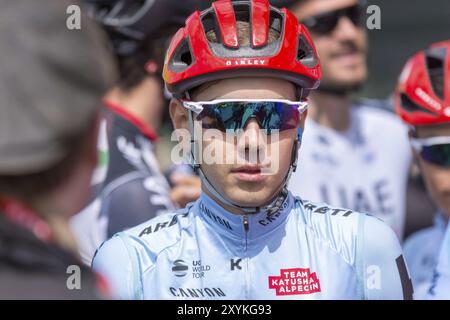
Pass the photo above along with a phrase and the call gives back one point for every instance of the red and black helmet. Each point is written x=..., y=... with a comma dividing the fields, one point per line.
x=423, y=91
x=192, y=59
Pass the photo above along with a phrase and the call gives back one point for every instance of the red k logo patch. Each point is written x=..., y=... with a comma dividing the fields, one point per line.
x=294, y=281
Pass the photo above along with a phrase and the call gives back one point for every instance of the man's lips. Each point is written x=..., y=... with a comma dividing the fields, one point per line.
x=349, y=56
x=345, y=51
x=248, y=173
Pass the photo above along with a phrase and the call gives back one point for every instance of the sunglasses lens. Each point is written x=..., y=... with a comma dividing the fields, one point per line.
x=327, y=22
x=438, y=154
x=324, y=23
x=235, y=115
x=355, y=14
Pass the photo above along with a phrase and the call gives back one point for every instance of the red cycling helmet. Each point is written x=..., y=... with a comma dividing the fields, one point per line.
x=423, y=91
x=192, y=59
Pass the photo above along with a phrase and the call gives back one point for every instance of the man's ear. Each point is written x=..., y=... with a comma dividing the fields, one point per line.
x=178, y=114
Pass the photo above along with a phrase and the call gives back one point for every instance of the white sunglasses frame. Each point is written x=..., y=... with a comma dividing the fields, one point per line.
x=197, y=106
x=418, y=144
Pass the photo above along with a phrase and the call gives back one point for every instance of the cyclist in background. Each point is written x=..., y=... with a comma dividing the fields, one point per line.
x=129, y=187
x=440, y=288
x=354, y=155
x=423, y=102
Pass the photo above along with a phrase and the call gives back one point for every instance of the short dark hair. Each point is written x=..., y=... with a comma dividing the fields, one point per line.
x=132, y=67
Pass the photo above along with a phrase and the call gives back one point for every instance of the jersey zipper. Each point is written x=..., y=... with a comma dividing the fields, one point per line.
x=247, y=274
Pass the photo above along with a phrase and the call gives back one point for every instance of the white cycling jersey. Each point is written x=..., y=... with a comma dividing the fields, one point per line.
x=421, y=252
x=364, y=169
x=303, y=251
x=440, y=288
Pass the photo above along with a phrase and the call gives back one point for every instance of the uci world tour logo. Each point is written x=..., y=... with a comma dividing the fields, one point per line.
x=179, y=268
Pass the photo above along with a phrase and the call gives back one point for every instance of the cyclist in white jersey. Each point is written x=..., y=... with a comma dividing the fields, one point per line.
x=232, y=70
x=423, y=102
x=354, y=155
x=440, y=288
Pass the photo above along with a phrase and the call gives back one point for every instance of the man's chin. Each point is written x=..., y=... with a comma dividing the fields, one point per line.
x=248, y=199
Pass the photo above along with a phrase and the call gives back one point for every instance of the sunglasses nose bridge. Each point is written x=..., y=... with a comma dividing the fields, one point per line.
x=253, y=119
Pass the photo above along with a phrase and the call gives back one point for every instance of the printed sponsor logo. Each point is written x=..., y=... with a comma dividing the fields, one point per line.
x=271, y=218
x=199, y=269
x=197, y=292
x=180, y=268
x=246, y=62
x=428, y=99
x=376, y=197
x=294, y=281
x=235, y=264
x=161, y=225
x=215, y=218
x=325, y=209
x=129, y=150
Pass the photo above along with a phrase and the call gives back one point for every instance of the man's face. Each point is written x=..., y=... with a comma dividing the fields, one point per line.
x=437, y=179
x=242, y=180
x=342, y=50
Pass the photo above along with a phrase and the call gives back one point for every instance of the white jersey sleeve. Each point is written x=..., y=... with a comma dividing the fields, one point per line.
x=115, y=262
x=440, y=289
x=421, y=251
x=386, y=274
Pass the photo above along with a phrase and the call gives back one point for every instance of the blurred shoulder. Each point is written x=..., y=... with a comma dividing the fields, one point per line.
x=336, y=226
x=379, y=112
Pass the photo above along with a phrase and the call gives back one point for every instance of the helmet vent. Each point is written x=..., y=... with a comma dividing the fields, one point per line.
x=435, y=59
x=410, y=106
x=182, y=58
x=305, y=54
x=242, y=12
x=211, y=27
x=275, y=23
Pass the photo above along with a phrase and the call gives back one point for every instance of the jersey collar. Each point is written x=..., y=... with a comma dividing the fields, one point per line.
x=230, y=224
x=143, y=128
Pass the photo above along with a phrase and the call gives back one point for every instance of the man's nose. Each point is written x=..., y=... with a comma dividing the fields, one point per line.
x=252, y=139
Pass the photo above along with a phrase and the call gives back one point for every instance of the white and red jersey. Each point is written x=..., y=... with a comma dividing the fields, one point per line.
x=364, y=169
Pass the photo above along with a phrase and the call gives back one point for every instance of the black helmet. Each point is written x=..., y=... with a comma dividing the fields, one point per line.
x=129, y=22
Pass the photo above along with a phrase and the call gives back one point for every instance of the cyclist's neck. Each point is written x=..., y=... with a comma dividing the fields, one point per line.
x=226, y=207
x=331, y=111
